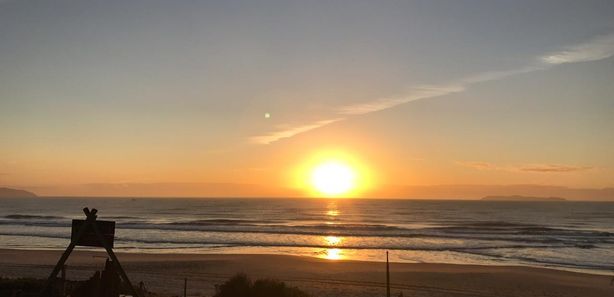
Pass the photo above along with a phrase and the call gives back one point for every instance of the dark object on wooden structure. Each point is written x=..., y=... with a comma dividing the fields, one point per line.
x=89, y=224
x=89, y=238
x=105, y=284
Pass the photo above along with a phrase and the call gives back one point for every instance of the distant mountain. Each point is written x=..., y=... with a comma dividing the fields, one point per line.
x=479, y=191
x=521, y=198
x=14, y=193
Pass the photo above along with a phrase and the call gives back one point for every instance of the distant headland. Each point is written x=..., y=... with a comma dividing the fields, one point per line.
x=521, y=198
x=15, y=193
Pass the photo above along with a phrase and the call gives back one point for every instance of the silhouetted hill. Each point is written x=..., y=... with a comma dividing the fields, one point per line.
x=521, y=198
x=479, y=191
x=14, y=193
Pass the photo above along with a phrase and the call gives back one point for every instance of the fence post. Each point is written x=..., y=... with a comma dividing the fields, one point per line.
x=387, y=276
x=185, y=287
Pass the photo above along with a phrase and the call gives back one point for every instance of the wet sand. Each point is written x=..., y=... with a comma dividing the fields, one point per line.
x=164, y=274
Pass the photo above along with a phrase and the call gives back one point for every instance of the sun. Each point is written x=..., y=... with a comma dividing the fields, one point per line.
x=333, y=178
x=333, y=173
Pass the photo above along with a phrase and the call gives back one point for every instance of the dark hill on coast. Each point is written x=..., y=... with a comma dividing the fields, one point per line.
x=521, y=198
x=15, y=193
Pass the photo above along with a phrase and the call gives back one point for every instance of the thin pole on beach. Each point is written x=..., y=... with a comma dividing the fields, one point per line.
x=185, y=287
x=387, y=276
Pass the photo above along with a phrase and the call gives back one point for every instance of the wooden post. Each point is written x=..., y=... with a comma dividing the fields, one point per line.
x=185, y=287
x=387, y=276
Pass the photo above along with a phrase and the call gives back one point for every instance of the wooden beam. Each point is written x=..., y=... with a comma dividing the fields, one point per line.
x=91, y=217
x=114, y=260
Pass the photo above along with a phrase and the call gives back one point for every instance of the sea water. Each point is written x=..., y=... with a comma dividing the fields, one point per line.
x=564, y=235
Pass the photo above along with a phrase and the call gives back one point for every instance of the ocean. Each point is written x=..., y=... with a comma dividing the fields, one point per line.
x=575, y=236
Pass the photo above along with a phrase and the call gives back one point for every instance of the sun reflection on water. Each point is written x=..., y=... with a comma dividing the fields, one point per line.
x=332, y=240
x=332, y=212
x=332, y=253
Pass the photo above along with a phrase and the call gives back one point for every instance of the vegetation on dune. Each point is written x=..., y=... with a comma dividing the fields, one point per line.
x=242, y=286
x=25, y=286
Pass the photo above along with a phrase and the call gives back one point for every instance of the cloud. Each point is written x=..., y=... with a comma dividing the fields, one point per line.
x=546, y=168
x=291, y=131
x=479, y=165
x=432, y=91
x=417, y=93
x=597, y=49
x=537, y=168
x=496, y=75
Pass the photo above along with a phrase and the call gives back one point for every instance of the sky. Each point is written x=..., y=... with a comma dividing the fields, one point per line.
x=235, y=97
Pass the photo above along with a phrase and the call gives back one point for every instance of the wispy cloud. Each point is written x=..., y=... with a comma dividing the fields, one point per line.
x=417, y=93
x=497, y=75
x=480, y=165
x=537, y=168
x=596, y=49
x=546, y=168
x=291, y=131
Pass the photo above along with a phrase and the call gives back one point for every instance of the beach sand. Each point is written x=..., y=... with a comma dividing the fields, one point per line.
x=164, y=274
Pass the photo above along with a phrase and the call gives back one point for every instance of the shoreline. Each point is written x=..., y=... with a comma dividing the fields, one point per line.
x=164, y=273
x=264, y=251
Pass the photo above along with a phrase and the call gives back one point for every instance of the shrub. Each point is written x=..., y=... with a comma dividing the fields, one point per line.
x=241, y=286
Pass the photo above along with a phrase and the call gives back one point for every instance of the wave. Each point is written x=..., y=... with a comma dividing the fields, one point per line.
x=30, y=217
x=487, y=231
x=236, y=222
x=280, y=243
x=583, y=264
x=122, y=217
x=505, y=228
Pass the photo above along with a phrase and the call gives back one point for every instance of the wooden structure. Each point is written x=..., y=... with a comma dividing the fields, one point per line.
x=90, y=232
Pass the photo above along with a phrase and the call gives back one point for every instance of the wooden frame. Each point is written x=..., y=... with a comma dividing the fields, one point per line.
x=90, y=220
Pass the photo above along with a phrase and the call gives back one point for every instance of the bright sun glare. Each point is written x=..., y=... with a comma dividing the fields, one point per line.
x=333, y=178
